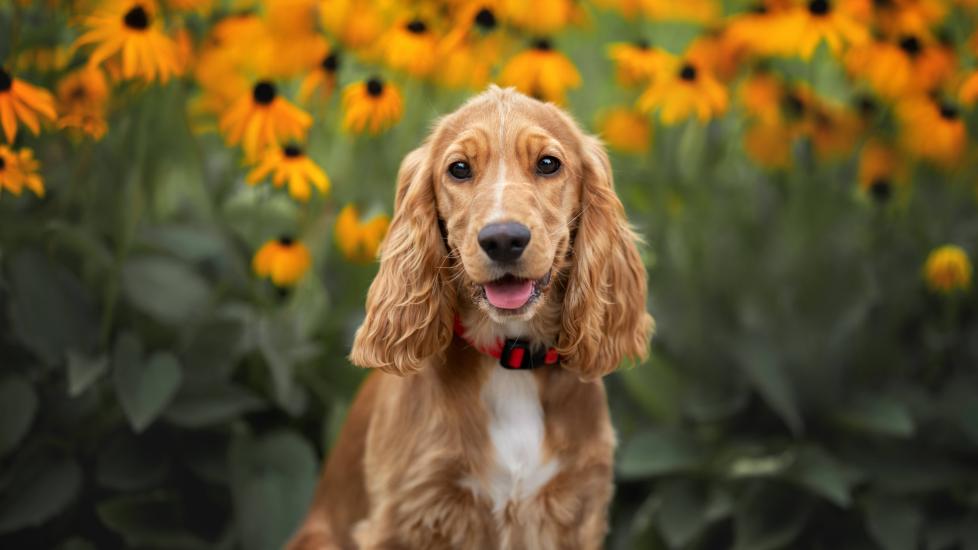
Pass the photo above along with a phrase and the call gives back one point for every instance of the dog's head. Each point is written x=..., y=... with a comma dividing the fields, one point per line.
x=509, y=208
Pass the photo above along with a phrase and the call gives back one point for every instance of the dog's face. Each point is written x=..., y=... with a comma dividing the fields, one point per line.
x=505, y=200
x=506, y=169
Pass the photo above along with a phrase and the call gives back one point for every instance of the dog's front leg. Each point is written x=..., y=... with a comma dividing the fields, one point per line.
x=570, y=512
x=439, y=517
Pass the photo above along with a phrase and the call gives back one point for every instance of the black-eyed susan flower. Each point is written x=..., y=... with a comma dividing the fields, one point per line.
x=290, y=165
x=718, y=52
x=541, y=72
x=881, y=169
x=895, y=17
x=760, y=94
x=685, y=92
x=833, y=130
x=293, y=41
x=131, y=32
x=82, y=95
x=696, y=11
x=636, y=63
x=24, y=102
x=540, y=16
x=906, y=66
x=625, y=130
x=321, y=80
x=355, y=23
x=932, y=130
x=18, y=169
x=760, y=30
x=411, y=47
x=470, y=51
x=371, y=106
x=262, y=118
x=835, y=22
x=358, y=239
x=968, y=92
x=768, y=143
x=948, y=269
x=283, y=260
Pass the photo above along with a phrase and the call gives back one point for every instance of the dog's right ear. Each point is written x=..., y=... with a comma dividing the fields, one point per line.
x=409, y=305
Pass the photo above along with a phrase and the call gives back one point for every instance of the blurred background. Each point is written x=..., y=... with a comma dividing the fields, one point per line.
x=192, y=193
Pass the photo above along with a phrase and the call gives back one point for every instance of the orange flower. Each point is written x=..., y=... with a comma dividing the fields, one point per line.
x=411, y=47
x=283, y=260
x=541, y=72
x=371, y=106
x=18, y=169
x=831, y=21
x=880, y=168
x=82, y=95
x=359, y=240
x=22, y=101
x=636, y=63
x=683, y=93
x=625, y=130
x=968, y=93
x=932, y=130
x=263, y=118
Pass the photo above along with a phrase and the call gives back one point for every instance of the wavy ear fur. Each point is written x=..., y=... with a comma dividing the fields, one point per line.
x=604, y=320
x=409, y=317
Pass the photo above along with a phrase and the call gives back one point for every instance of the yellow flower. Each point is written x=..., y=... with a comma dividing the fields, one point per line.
x=261, y=118
x=359, y=240
x=200, y=6
x=131, y=31
x=895, y=17
x=42, y=59
x=18, y=169
x=540, y=16
x=82, y=95
x=880, y=169
x=22, y=101
x=321, y=79
x=470, y=50
x=761, y=30
x=832, y=21
x=968, y=93
x=372, y=106
x=932, y=130
x=541, y=72
x=833, y=130
x=293, y=43
x=355, y=23
x=683, y=93
x=411, y=47
x=625, y=130
x=948, y=269
x=636, y=63
x=761, y=95
x=718, y=52
x=901, y=68
x=768, y=143
x=283, y=260
x=290, y=165
x=697, y=11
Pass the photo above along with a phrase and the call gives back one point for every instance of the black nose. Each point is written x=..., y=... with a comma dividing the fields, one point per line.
x=504, y=242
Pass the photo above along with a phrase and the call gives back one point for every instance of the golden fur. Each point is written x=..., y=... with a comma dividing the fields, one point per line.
x=408, y=465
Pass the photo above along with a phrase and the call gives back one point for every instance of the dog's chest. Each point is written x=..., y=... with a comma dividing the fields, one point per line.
x=516, y=430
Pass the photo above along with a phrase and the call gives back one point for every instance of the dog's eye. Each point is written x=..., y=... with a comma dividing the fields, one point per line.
x=460, y=170
x=548, y=165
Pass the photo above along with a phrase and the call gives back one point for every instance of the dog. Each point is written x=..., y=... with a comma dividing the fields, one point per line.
x=509, y=284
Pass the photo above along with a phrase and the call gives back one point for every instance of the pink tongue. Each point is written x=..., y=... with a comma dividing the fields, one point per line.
x=509, y=294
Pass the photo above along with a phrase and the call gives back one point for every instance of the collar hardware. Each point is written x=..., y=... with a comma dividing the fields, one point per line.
x=513, y=353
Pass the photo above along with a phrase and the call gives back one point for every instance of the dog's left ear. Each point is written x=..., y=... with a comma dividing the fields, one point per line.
x=604, y=320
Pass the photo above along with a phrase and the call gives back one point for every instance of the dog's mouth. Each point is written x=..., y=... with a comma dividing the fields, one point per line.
x=511, y=293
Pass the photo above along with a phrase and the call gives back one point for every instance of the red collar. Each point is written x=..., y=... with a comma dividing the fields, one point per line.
x=512, y=353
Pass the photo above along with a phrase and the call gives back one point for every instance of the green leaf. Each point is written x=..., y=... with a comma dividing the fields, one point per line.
x=83, y=371
x=149, y=521
x=769, y=516
x=283, y=347
x=658, y=452
x=768, y=377
x=893, y=523
x=51, y=312
x=656, y=387
x=40, y=489
x=164, y=288
x=823, y=474
x=18, y=405
x=127, y=463
x=211, y=405
x=144, y=388
x=879, y=414
x=190, y=242
x=682, y=515
x=272, y=483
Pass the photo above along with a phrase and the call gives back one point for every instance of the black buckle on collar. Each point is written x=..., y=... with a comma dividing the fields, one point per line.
x=517, y=355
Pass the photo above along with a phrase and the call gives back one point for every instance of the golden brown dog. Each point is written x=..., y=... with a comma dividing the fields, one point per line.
x=506, y=228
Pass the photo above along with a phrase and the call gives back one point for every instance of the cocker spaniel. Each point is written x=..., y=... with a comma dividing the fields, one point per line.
x=509, y=284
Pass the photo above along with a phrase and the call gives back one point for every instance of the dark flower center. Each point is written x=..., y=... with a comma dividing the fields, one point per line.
x=759, y=8
x=881, y=189
x=910, y=45
x=3, y=163
x=417, y=26
x=331, y=63
x=292, y=151
x=883, y=4
x=6, y=81
x=542, y=44
x=794, y=105
x=486, y=19
x=642, y=44
x=285, y=240
x=819, y=7
x=264, y=92
x=136, y=18
x=375, y=87
x=949, y=112
x=866, y=106
x=688, y=72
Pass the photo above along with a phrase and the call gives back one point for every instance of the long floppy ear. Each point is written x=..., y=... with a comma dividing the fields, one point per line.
x=409, y=314
x=604, y=320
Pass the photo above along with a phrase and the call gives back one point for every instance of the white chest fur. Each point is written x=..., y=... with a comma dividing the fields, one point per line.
x=516, y=429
